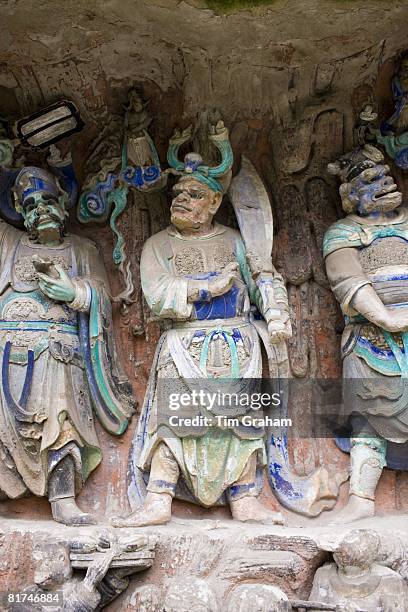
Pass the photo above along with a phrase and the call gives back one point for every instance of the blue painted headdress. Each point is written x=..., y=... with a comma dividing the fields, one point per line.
x=193, y=165
x=16, y=186
x=31, y=181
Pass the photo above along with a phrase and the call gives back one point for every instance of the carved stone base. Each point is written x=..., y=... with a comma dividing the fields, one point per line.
x=202, y=564
x=199, y=563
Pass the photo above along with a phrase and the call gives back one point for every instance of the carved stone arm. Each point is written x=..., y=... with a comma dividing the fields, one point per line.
x=356, y=295
x=346, y=277
x=82, y=300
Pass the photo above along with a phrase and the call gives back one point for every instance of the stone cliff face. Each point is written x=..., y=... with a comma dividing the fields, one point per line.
x=288, y=78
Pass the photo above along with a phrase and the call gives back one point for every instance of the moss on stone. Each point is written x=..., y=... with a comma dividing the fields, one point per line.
x=228, y=6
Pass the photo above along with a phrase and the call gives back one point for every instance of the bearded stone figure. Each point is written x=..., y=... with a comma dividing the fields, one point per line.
x=57, y=354
x=199, y=279
x=366, y=258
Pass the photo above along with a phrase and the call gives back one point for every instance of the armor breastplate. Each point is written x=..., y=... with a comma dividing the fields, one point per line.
x=384, y=252
x=202, y=258
x=203, y=261
x=23, y=275
x=385, y=262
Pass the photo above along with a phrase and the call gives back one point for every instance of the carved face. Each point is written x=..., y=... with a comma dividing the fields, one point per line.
x=194, y=204
x=52, y=565
x=373, y=190
x=44, y=217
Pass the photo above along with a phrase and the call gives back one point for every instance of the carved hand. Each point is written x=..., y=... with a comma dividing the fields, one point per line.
x=367, y=302
x=180, y=137
x=60, y=289
x=223, y=283
x=396, y=320
x=280, y=329
x=98, y=568
x=258, y=264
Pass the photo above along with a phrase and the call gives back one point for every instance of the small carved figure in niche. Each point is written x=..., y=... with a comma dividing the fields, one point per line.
x=355, y=581
x=207, y=297
x=393, y=132
x=366, y=258
x=56, y=346
x=398, y=122
x=131, y=162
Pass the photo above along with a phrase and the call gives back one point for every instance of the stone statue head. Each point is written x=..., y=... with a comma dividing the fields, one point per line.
x=41, y=201
x=366, y=185
x=198, y=191
x=194, y=204
x=52, y=565
x=359, y=548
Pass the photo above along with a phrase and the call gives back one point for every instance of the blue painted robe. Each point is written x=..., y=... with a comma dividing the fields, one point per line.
x=57, y=365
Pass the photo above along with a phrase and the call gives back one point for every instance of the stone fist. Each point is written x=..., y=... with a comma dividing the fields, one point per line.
x=223, y=282
x=280, y=329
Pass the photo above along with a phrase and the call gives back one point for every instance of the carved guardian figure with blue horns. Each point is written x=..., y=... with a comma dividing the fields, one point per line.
x=57, y=354
x=205, y=283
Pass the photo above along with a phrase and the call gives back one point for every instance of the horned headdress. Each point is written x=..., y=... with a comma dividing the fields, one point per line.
x=216, y=178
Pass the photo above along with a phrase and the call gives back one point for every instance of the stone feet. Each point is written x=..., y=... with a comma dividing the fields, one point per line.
x=250, y=510
x=66, y=511
x=357, y=508
x=156, y=510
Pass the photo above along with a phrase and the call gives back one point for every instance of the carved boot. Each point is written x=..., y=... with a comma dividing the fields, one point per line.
x=61, y=495
x=156, y=508
x=367, y=457
x=244, y=503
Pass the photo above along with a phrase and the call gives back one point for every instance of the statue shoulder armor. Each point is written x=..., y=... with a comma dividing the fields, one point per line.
x=342, y=233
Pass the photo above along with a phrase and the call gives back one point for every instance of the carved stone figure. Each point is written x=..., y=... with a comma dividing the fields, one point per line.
x=56, y=347
x=393, y=132
x=53, y=576
x=355, y=581
x=108, y=562
x=197, y=276
x=126, y=160
x=366, y=258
